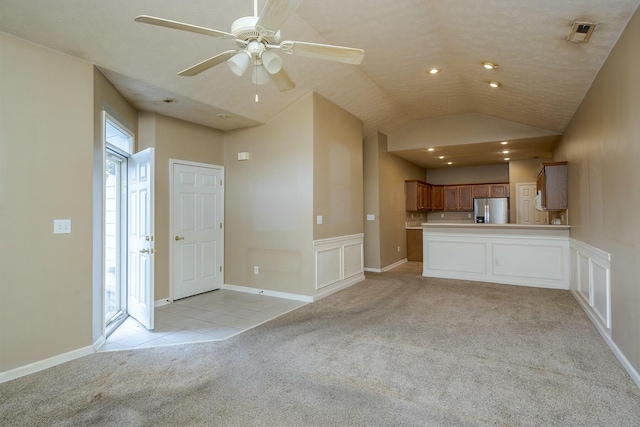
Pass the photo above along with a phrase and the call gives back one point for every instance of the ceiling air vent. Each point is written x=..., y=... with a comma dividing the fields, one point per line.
x=581, y=31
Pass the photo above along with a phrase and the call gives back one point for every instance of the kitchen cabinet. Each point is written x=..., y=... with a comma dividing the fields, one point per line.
x=552, y=186
x=437, y=198
x=481, y=191
x=417, y=195
x=414, y=245
x=458, y=198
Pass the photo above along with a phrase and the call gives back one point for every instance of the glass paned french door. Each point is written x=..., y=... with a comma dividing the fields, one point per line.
x=114, y=237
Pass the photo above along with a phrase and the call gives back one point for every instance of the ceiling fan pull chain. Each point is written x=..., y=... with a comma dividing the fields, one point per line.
x=256, y=71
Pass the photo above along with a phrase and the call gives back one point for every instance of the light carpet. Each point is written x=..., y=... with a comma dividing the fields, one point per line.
x=395, y=349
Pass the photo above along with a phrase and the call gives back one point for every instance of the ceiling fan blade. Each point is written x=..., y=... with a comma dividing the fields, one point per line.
x=275, y=12
x=282, y=80
x=184, y=27
x=348, y=55
x=207, y=63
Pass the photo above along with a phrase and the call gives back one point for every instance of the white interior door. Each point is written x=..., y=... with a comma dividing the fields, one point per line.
x=198, y=246
x=140, y=231
x=527, y=212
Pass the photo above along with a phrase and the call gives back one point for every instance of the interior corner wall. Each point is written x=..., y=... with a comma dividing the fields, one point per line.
x=46, y=158
x=601, y=146
x=337, y=171
x=180, y=140
x=393, y=171
x=371, y=168
x=269, y=203
x=105, y=98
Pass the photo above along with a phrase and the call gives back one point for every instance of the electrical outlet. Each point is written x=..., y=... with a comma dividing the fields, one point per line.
x=497, y=262
x=398, y=248
x=61, y=226
x=469, y=215
x=441, y=215
x=256, y=269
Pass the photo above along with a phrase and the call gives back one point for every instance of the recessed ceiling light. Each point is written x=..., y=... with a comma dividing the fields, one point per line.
x=494, y=84
x=441, y=157
x=430, y=149
x=434, y=71
x=504, y=142
x=507, y=158
x=168, y=100
x=449, y=163
x=505, y=151
x=489, y=65
x=224, y=116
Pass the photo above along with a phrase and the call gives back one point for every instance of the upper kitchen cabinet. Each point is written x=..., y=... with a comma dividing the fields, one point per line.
x=481, y=191
x=417, y=195
x=437, y=198
x=552, y=186
x=458, y=198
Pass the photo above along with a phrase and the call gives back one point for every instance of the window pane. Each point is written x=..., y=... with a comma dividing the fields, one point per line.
x=118, y=137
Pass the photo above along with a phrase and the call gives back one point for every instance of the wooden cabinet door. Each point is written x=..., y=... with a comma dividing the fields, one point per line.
x=499, y=190
x=481, y=191
x=411, y=195
x=437, y=198
x=451, y=198
x=426, y=195
x=414, y=245
x=465, y=198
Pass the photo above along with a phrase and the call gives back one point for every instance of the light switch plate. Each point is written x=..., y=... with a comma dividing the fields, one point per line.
x=61, y=226
x=371, y=217
x=319, y=219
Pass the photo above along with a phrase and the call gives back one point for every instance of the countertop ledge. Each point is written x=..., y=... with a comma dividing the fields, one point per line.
x=489, y=226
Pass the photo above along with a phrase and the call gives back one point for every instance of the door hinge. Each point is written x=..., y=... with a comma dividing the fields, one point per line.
x=220, y=226
x=220, y=183
x=220, y=269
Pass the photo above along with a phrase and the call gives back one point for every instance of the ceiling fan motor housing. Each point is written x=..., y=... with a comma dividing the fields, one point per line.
x=245, y=29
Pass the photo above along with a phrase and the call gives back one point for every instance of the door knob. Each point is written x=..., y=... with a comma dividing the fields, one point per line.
x=144, y=251
x=179, y=238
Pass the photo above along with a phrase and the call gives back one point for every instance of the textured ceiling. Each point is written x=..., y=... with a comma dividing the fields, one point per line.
x=543, y=77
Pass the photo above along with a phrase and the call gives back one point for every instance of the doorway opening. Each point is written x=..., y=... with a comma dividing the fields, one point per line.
x=118, y=146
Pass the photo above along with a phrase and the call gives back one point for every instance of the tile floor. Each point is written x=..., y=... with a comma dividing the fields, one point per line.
x=215, y=315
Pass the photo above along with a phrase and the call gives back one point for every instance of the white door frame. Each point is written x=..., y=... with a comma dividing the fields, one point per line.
x=173, y=162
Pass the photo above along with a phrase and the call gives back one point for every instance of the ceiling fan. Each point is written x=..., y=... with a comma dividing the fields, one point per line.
x=257, y=37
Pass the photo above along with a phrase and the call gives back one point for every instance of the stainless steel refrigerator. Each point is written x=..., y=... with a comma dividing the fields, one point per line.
x=491, y=210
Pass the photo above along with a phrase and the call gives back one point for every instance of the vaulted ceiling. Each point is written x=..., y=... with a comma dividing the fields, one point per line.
x=542, y=76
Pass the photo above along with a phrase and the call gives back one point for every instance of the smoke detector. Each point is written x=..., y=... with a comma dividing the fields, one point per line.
x=581, y=31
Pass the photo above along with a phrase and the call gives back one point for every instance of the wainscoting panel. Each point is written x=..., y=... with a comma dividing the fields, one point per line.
x=524, y=260
x=592, y=283
x=339, y=263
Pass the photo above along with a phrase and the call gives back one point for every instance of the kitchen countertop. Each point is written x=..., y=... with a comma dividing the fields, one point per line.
x=444, y=225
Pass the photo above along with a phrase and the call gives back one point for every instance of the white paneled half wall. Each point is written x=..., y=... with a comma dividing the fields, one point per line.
x=339, y=263
x=591, y=282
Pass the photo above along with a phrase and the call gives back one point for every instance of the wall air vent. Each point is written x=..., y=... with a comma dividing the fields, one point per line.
x=581, y=31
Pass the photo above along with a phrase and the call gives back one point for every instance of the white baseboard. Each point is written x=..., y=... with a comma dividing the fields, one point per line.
x=387, y=268
x=160, y=302
x=277, y=294
x=395, y=264
x=343, y=285
x=44, y=364
x=605, y=335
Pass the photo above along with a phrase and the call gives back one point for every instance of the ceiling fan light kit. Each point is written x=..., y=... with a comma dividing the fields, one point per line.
x=256, y=38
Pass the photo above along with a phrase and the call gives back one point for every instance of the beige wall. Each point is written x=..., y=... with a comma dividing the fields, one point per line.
x=269, y=203
x=105, y=98
x=46, y=155
x=337, y=171
x=384, y=178
x=179, y=140
x=392, y=174
x=371, y=167
x=601, y=146
x=468, y=175
x=521, y=171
